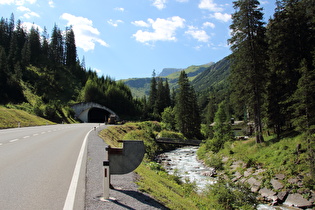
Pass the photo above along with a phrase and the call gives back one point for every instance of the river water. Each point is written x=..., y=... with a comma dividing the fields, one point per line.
x=183, y=162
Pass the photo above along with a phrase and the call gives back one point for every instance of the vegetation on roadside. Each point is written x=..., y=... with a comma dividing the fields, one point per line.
x=12, y=118
x=169, y=189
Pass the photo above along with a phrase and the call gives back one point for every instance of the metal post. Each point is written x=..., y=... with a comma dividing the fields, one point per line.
x=106, y=180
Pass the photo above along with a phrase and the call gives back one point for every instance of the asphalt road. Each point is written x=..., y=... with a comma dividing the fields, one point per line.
x=39, y=169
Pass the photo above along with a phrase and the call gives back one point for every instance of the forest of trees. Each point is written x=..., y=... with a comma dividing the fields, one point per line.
x=45, y=72
x=271, y=79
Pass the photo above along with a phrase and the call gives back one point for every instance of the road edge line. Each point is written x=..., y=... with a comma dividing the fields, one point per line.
x=69, y=203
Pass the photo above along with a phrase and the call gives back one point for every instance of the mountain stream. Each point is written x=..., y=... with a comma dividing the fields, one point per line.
x=183, y=162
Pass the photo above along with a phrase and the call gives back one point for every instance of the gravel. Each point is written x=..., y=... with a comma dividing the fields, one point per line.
x=125, y=194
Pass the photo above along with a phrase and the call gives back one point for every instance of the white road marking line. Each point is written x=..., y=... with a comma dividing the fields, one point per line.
x=35, y=134
x=43, y=132
x=0, y=144
x=13, y=140
x=69, y=203
x=25, y=137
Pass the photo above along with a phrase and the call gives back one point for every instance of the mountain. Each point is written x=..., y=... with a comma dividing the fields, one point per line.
x=213, y=76
x=201, y=77
x=167, y=71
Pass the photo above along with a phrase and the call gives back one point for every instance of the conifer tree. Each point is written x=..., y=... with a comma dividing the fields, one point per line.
x=289, y=42
x=248, y=68
x=71, y=50
x=153, y=92
x=304, y=109
x=34, y=46
x=186, y=109
x=56, y=47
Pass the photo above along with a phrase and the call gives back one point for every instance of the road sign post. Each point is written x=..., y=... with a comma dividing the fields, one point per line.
x=106, y=180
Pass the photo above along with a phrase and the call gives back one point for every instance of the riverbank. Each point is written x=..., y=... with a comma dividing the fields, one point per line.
x=168, y=189
x=276, y=170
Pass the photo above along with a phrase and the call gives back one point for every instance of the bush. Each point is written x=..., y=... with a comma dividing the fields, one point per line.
x=171, y=134
x=214, y=160
x=228, y=195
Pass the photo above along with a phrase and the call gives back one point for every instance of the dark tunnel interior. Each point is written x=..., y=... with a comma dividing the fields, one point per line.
x=97, y=115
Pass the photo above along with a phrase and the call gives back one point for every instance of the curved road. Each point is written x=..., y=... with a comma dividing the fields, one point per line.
x=38, y=166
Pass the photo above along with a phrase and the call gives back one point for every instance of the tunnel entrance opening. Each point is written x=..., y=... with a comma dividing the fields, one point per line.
x=97, y=115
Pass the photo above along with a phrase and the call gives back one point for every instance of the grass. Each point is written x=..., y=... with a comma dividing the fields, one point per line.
x=11, y=118
x=277, y=156
x=165, y=188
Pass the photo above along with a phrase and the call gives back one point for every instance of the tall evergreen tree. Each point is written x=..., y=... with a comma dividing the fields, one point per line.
x=56, y=47
x=249, y=57
x=34, y=46
x=71, y=50
x=289, y=42
x=186, y=109
x=304, y=109
x=153, y=92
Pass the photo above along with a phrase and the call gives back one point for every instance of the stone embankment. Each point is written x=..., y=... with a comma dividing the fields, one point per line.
x=276, y=189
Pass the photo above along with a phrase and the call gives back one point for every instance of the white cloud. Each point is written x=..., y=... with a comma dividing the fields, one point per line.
x=208, y=24
x=28, y=13
x=160, y=4
x=221, y=16
x=120, y=9
x=209, y=5
x=114, y=22
x=98, y=71
x=164, y=30
x=85, y=34
x=51, y=4
x=29, y=25
x=17, y=2
x=200, y=35
x=141, y=23
x=182, y=1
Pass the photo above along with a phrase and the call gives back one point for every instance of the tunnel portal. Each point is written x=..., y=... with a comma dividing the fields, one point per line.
x=97, y=115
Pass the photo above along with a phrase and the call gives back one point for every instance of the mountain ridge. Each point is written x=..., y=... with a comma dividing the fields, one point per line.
x=199, y=75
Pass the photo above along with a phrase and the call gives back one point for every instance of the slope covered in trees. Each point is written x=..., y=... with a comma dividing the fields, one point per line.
x=45, y=74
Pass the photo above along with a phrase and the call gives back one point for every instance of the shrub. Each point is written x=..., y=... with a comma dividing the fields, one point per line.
x=171, y=134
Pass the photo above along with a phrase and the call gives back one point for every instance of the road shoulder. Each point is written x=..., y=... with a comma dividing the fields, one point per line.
x=126, y=194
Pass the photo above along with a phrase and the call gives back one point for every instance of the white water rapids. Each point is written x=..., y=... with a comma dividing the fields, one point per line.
x=183, y=161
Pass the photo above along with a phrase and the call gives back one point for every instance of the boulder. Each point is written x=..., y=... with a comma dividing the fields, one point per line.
x=280, y=176
x=297, y=200
x=248, y=172
x=253, y=182
x=276, y=184
x=282, y=196
x=210, y=173
x=269, y=195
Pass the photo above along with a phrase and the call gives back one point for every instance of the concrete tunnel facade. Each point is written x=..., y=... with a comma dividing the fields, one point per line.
x=92, y=112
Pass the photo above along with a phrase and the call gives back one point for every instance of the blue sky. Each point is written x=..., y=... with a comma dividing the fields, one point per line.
x=130, y=38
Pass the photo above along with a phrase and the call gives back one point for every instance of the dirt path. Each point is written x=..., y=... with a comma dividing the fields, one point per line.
x=126, y=194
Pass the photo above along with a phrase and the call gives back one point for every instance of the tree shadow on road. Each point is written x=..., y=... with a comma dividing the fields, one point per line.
x=145, y=199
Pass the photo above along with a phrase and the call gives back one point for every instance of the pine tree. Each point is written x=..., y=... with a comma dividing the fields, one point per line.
x=304, y=109
x=186, y=109
x=289, y=42
x=71, y=50
x=153, y=93
x=34, y=46
x=56, y=47
x=248, y=67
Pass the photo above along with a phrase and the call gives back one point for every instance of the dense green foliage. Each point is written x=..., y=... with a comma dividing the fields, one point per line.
x=169, y=189
x=249, y=59
x=44, y=71
x=186, y=109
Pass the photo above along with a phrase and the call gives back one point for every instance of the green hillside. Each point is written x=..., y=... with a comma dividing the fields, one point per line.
x=213, y=76
x=141, y=86
x=12, y=118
